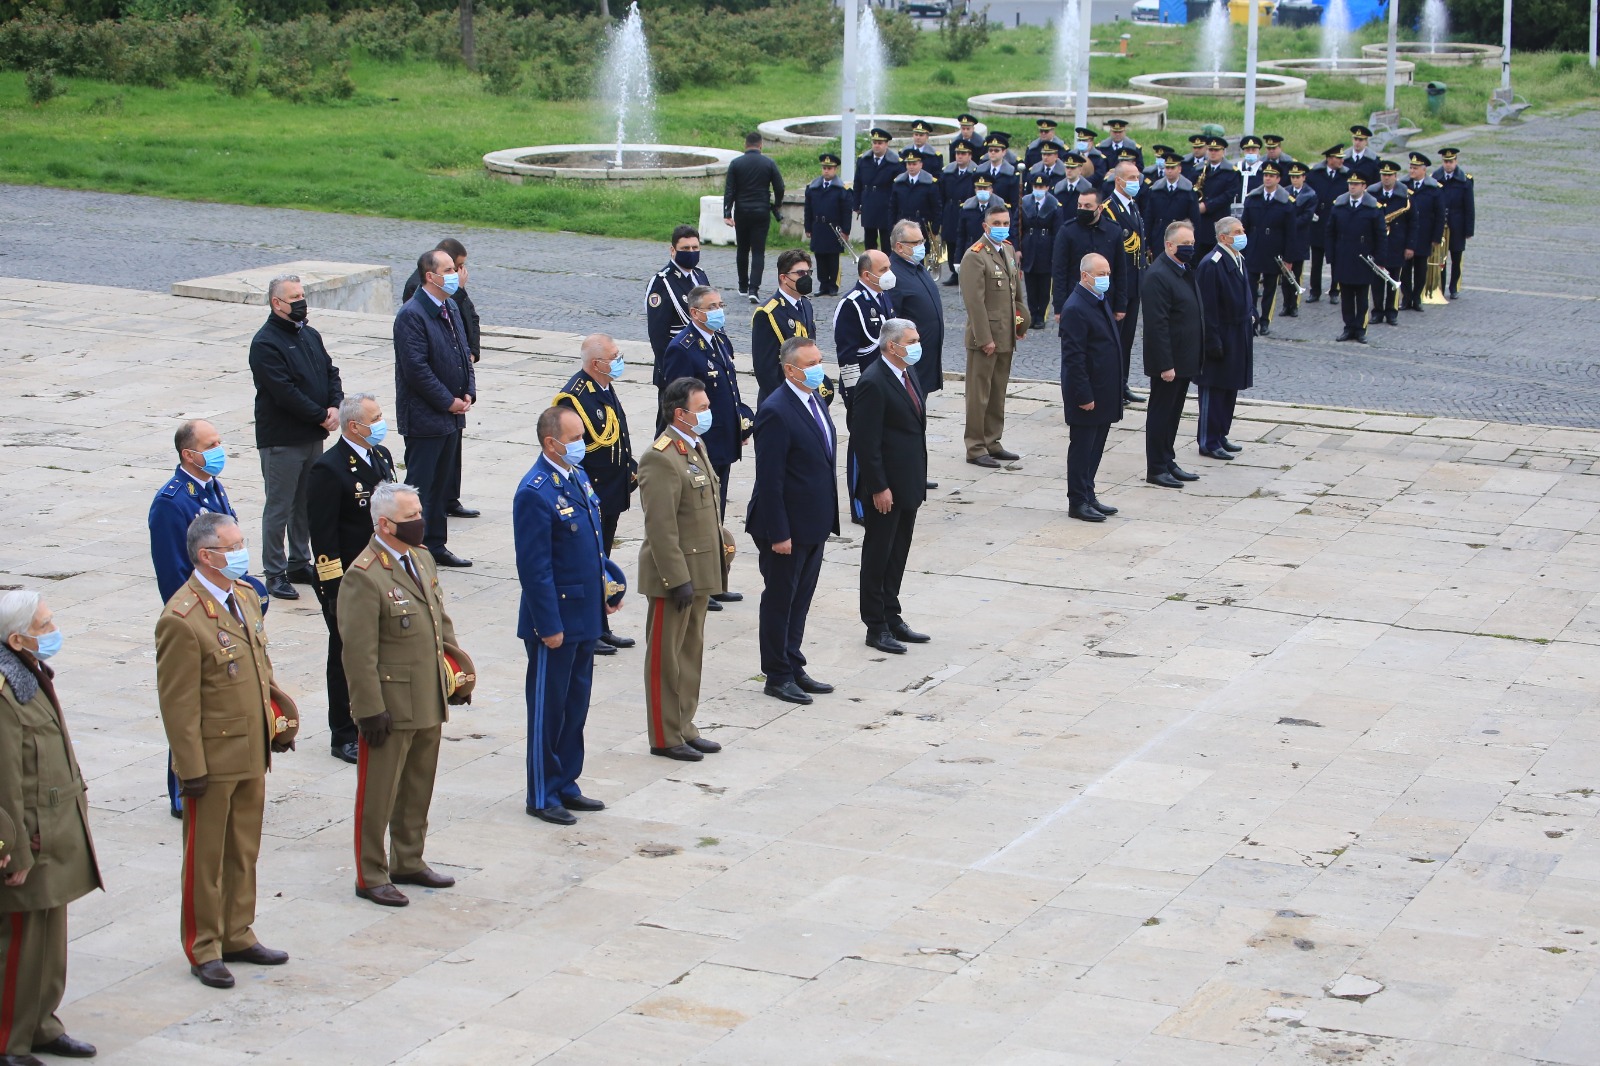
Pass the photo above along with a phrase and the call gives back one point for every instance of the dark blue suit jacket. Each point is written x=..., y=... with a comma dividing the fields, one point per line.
x=690, y=355
x=1230, y=318
x=432, y=368
x=555, y=523
x=1091, y=359
x=796, y=495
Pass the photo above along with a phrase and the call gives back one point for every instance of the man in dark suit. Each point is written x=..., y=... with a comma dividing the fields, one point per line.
x=787, y=314
x=916, y=297
x=794, y=506
x=1174, y=349
x=1091, y=382
x=342, y=480
x=435, y=387
x=889, y=425
x=453, y=506
x=1230, y=328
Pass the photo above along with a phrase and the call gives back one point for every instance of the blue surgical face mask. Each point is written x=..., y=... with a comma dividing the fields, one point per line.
x=702, y=422
x=214, y=460
x=452, y=282
x=716, y=320
x=376, y=432
x=983, y=196
x=237, y=565
x=1038, y=196
x=618, y=365
x=576, y=450
x=1239, y=241
x=1251, y=157
x=913, y=353
x=1131, y=187
x=49, y=644
x=815, y=376
x=1102, y=284
x=999, y=233
x=1081, y=145
x=919, y=253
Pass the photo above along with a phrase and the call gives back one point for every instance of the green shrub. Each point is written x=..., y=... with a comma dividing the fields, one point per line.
x=42, y=85
x=962, y=35
x=500, y=67
x=900, y=36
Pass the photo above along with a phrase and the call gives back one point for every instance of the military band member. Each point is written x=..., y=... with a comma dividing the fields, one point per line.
x=1049, y=165
x=1169, y=198
x=398, y=641
x=1067, y=190
x=958, y=181
x=969, y=224
x=828, y=200
x=1096, y=162
x=1155, y=168
x=787, y=314
x=873, y=192
x=47, y=856
x=561, y=567
x=341, y=483
x=920, y=132
x=1355, y=230
x=608, y=460
x=916, y=195
x=1047, y=137
x=968, y=136
x=1197, y=156
x=1460, y=213
x=1427, y=229
x=1249, y=165
x=214, y=681
x=1269, y=223
x=1217, y=185
x=1001, y=175
x=1397, y=242
x=858, y=332
x=1329, y=179
x=665, y=310
x=682, y=563
x=1037, y=221
x=1304, y=199
x=1275, y=152
x=1361, y=159
x=1119, y=142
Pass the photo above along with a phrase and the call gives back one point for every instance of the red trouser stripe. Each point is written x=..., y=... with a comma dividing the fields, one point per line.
x=191, y=929
x=361, y=801
x=658, y=730
x=8, y=999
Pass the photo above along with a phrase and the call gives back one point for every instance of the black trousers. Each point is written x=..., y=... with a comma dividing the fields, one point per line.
x=1216, y=416
x=789, y=582
x=1038, y=286
x=1163, y=412
x=1413, y=276
x=1353, y=307
x=1316, y=276
x=1085, y=446
x=1291, y=297
x=341, y=729
x=827, y=272
x=1129, y=326
x=1455, y=270
x=431, y=464
x=453, y=492
x=722, y=473
x=875, y=238
x=750, y=235
x=1264, y=290
x=884, y=550
x=1385, y=301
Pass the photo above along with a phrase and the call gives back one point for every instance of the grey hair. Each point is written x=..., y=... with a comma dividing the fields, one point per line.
x=1177, y=227
x=790, y=352
x=997, y=207
x=17, y=609
x=895, y=329
x=905, y=226
x=385, y=502
x=203, y=532
x=1089, y=261
x=275, y=286
x=697, y=296
x=1228, y=225
x=350, y=411
x=594, y=346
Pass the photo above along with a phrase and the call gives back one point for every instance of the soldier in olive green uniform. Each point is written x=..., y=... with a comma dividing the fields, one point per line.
x=396, y=635
x=683, y=562
x=214, y=681
x=44, y=821
x=991, y=289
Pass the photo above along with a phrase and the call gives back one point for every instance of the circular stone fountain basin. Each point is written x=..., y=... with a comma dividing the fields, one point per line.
x=820, y=129
x=1366, y=71
x=1140, y=111
x=1440, y=55
x=1272, y=90
x=598, y=162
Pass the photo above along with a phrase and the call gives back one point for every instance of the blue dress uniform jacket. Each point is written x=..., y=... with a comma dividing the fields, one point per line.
x=1074, y=241
x=666, y=308
x=1037, y=222
x=1352, y=233
x=690, y=355
x=1113, y=152
x=771, y=324
x=174, y=507
x=873, y=190
x=1222, y=186
x=1035, y=151
x=857, y=332
x=609, y=464
x=955, y=186
x=1329, y=185
x=1305, y=207
x=1164, y=206
x=1395, y=235
x=823, y=205
x=1367, y=166
x=1427, y=214
x=920, y=200
x=1460, y=212
x=1130, y=220
x=1269, y=223
x=1228, y=311
x=969, y=225
x=432, y=367
x=1004, y=180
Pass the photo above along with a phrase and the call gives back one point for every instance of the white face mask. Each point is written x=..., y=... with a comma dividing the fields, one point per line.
x=886, y=280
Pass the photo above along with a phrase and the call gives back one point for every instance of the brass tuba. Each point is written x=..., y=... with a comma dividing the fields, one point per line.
x=1433, y=286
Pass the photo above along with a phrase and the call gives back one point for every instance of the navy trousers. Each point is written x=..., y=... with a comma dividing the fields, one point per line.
x=1085, y=446
x=790, y=582
x=1216, y=416
x=559, y=681
x=431, y=470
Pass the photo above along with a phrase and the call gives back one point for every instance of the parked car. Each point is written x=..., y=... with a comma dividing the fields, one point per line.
x=1147, y=11
x=936, y=9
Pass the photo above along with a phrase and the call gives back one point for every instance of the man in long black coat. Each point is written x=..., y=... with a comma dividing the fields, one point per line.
x=1174, y=351
x=1037, y=221
x=1088, y=230
x=1229, y=315
x=827, y=200
x=1091, y=382
x=1355, y=228
x=916, y=297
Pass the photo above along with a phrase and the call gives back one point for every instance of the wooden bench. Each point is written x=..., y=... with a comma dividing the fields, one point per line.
x=1389, y=130
x=1504, y=104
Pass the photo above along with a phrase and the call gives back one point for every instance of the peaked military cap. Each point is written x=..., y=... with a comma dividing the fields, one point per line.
x=828, y=159
x=1249, y=140
x=921, y=126
x=1359, y=130
x=1417, y=159
x=877, y=133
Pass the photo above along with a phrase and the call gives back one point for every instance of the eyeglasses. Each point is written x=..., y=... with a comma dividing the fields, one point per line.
x=799, y=273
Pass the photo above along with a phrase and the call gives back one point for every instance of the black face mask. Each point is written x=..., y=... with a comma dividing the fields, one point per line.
x=409, y=532
x=802, y=284
x=297, y=310
x=1184, y=252
x=688, y=260
x=1085, y=216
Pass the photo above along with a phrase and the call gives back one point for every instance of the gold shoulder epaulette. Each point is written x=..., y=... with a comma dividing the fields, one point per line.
x=329, y=569
x=662, y=442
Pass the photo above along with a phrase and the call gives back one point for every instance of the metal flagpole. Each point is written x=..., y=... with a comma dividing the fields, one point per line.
x=1080, y=109
x=1594, y=33
x=1388, y=70
x=1505, y=51
x=1251, y=36
x=847, y=103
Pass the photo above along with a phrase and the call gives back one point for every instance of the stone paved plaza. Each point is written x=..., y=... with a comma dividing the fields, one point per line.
x=1322, y=723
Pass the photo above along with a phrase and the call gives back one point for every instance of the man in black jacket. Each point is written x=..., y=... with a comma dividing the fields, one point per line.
x=746, y=207
x=1174, y=348
x=342, y=480
x=469, y=321
x=298, y=393
x=1088, y=230
x=916, y=297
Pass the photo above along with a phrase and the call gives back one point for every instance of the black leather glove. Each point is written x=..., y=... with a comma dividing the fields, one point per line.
x=281, y=746
x=195, y=787
x=683, y=595
x=375, y=729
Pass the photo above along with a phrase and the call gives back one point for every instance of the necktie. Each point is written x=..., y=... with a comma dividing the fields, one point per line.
x=911, y=390
x=411, y=569
x=234, y=609
x=826, y=184
x=444, y=313
x=822, y=423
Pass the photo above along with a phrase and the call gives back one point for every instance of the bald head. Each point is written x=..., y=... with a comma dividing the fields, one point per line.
x=1092, y=266
x=192, y=440
x=597, y=352
x=871, y=266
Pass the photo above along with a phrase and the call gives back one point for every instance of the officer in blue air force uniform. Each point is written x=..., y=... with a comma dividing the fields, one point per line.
x=555, y=518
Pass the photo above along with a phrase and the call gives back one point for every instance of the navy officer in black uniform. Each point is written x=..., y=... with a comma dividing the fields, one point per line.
x=828, y=200
x=608, y=452
x=665, y=312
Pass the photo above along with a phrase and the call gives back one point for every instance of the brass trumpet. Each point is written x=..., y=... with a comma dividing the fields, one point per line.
x=1383, y=275
x=1288, y=275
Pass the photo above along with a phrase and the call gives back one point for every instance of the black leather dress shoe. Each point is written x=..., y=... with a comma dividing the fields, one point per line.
x=427, y=877
x=788, y=692
x=952, y=281
x=1181, y=474
x=1104, y=508
x=615, y=641
x=704, y=746
x=932, y=485
x=1164, y=479
x=1005, y=456
x=177, y=812
x=1217, y=453
x=1360, y=338
x=987, y=461
x=1293, y=312
x=446, y=557
x=301, y=575
x=213, y=974
x=810, y=684
x=1129, y=396
x=681, y=752
x=1345, y=336
x=459, y=511
x=602, y=648
x=882, y=641
x=905, y=634
x=68, y=1048
x=350, y=753
x=582, y=803
x=280, y=588
x=713, y=605
x=384, y=896
x=20, y=1060
x=257, y=954
x=1264, y=329
x=553, y=815
x=1084, y=512
x=1229, y=446
x=728, y=597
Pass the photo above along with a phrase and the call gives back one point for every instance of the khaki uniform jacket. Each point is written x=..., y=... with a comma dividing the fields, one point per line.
x=991, y=289
x=42, y=791
x=213, y=678
x=684, y=539
x=394, y=635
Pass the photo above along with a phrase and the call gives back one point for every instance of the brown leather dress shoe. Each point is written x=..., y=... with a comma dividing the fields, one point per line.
x=710, y=747
x=427, y=877
x=257, y=954
x=68, y=1048
x=384, y=895
x=213, y=974
x=681, y=752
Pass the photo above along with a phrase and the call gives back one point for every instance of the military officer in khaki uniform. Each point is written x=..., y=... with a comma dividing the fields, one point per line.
x=44, y=825
x=683, y=562
x=214, y=681
x=396, y=637
x=992, y=290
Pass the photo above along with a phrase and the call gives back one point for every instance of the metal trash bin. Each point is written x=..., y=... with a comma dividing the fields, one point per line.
x=1436, y=91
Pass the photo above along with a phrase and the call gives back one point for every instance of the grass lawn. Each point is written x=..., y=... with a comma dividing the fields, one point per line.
x=409, y=144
